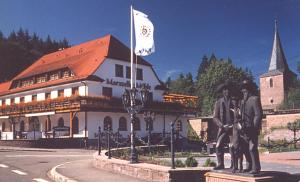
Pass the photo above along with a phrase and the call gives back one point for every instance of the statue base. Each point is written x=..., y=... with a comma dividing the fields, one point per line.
x=264, y=176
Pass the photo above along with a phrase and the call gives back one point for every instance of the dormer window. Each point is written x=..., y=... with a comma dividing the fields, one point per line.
x=54, y=76
x=41, y=79
x=66, y=74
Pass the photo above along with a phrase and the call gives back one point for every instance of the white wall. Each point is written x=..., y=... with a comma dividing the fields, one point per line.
x=28, y=98
x=107, y=71
x=40, y=96
x=68, y=92
x=7, y=101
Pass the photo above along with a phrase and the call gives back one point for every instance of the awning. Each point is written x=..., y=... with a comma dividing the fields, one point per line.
x=39, y=114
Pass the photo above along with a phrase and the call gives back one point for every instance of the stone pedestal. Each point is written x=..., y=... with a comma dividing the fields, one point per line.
x=227, y=176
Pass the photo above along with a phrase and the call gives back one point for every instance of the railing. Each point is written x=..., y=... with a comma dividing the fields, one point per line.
x=84, y=103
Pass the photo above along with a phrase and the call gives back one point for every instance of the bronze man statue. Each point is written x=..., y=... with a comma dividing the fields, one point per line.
x=251, y=116
x=223, y=117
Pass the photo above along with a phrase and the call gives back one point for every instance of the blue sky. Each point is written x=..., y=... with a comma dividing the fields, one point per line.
x=185, y=30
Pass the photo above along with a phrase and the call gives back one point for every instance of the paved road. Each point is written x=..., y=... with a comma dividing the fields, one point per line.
x=33, y=164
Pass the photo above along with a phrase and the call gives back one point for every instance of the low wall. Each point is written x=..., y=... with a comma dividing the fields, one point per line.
x=280, y=120
x=149, y=172
x=46, y=143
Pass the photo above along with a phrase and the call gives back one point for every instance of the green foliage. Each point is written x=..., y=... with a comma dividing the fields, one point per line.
x=209, y=163
x=292, y=101
x=179, y=163
x=294, y=126
x=191, y=162
x=191, y=134
x=22, y=49
x=215, y=74
x=184, y=84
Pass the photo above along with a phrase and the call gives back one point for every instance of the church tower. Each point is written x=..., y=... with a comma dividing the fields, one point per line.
x=275, y=83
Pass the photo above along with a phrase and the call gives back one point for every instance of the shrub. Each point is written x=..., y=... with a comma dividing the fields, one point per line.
x=209, y=163
x=191, y=162
x=179, y=163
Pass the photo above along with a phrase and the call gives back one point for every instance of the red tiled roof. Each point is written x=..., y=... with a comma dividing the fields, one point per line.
x=83, y=60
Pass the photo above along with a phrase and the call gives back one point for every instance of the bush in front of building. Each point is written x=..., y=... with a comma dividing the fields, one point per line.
x=209, y=163
x=179, y=163
x=191, y=162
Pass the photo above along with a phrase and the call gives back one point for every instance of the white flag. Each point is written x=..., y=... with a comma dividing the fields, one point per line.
x=144, y=30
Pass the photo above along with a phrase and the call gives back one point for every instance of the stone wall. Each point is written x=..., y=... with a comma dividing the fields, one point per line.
x=280, y=120
x=149, y=172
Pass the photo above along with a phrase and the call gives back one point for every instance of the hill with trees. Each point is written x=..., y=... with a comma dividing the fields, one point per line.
x=20, y=49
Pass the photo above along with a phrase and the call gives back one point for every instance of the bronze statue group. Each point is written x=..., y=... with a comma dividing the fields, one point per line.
x=238, y=115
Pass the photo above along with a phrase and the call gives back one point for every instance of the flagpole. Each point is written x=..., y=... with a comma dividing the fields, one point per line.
x=131, y=48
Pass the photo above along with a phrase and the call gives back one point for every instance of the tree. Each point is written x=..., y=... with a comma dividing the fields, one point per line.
x=22, y=49
x=184, y=84
x=202, y=67
x=294, y=127
x=216, y=73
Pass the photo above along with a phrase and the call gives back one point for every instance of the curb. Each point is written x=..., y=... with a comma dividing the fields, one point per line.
x=57, y=177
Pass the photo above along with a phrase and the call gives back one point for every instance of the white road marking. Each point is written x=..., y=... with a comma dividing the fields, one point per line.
x=48, y=155
x=19, y=172
x=3, y=166
x=40, y=180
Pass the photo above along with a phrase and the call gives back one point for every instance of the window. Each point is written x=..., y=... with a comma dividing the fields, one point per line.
x=122, y=124
x=27, y=82
x=75, y=91
x=3, y=126
x=54, y=76
x=41, y=79
x=22, y=99
x=271, y=82
x=34, y=124
x=179, y=125
x=119, y=70
x=107, y=123
x=107, y=91
x=149, y=125
x=128, y=72
x=22, y=126
x=66, y=73
x=75, y=125
x=61, y=93
x=34, y=97
x=61, y=122
x=139, y=74
x=136, y=124
x=48, y=96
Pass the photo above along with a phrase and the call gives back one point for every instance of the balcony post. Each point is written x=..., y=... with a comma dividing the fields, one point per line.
x=71, y=124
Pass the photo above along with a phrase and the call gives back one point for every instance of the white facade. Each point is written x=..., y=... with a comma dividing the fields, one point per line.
x=106, y=71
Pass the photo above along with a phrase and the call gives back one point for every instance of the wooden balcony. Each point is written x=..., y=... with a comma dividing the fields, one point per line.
x=80, y=103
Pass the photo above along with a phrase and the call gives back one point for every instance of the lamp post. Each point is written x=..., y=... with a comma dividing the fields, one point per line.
x=149, y=117
x=132, y=106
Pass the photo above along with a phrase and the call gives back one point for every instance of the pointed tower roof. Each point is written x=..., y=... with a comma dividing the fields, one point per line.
x=277, y=61
x=278, y=64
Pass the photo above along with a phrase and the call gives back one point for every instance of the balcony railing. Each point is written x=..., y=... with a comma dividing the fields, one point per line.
x=85, y=103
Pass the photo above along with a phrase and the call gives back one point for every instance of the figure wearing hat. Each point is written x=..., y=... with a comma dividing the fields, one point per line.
x=223, y=117
x=251, y=116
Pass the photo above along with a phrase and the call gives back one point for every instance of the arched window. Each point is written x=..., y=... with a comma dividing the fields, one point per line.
x=75, y=125
x=137, y=124
x=3, y=126
x=22, y=126
x=34, y=124
x=122, y=124
x=271, y=82
x=48, y=124
x=107, y=123
x=61, y=122
x=179, y=125
x=149, y=124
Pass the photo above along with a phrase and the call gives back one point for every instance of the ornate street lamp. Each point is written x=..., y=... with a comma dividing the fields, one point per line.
x=149, y=117
x=129, y=99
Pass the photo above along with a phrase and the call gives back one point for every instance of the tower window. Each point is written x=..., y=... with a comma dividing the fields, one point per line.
x=271, y=82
